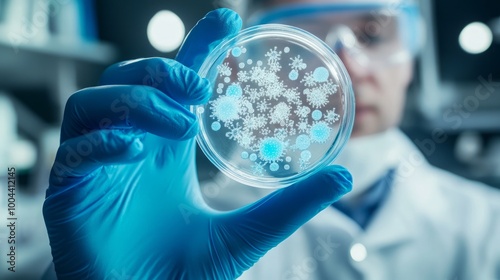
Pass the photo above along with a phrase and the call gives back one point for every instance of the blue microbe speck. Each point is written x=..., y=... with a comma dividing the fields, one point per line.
x=320, y=74
x=320, y=132
x=234, y=90
x=274, y=166
x=215, y=126
x=302, y=142
x=236, y=51
x=253, y=157
x=306, y=155
x=316, y=115
x=271, y=149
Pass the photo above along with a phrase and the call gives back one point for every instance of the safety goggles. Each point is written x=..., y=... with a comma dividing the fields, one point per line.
x=373, y=35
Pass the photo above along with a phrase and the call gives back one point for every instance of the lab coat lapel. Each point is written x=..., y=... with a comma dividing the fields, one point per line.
x=388, y=227
x=410, y=199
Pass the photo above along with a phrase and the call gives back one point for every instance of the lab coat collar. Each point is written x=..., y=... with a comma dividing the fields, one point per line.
x=411, y=199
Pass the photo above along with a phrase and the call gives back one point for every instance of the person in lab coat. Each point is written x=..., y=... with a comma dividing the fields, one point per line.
x=404, y=218
x=124, y=201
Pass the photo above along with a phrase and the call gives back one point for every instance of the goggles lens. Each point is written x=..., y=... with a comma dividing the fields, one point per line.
x=373, y=36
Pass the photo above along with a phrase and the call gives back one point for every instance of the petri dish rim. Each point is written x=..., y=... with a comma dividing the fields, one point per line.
x=331, y=59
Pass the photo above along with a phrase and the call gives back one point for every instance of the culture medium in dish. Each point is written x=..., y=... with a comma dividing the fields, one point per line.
x=282, y=106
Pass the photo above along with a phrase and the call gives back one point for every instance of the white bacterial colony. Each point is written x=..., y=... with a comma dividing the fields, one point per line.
x=275, y=125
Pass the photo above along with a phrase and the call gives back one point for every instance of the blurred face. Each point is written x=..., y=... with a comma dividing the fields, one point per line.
x=380, y=95
x=379, y=87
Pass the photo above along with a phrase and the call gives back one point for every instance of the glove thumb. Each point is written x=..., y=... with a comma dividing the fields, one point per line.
x=251, y=231
x=209, y=32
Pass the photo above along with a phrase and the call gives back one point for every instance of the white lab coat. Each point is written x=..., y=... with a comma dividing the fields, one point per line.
x=433, y=225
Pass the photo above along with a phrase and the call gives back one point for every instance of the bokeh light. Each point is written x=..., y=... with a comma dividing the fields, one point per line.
x=475, y=38
x=166, y=31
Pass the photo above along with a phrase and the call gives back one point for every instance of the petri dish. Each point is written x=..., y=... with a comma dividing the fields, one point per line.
x=282, y=106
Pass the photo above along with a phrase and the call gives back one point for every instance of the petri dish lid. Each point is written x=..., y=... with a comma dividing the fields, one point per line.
x=282, y=106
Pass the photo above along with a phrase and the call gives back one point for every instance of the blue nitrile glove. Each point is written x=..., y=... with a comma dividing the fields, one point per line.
x=124, y=199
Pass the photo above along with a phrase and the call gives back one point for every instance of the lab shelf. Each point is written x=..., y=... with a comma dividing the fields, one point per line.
x=96, y=52
x=480, y=121
x=38, y=63
x=466, y=106
x=53, y=69
x=54, y=65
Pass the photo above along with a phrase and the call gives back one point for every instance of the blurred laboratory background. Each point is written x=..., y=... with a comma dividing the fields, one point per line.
x=51, y=48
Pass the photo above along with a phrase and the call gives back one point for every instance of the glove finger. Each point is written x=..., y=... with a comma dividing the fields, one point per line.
x=77, y=157
x=257, y=228
x=121, y=106
x=169, y=76
x=209, y=32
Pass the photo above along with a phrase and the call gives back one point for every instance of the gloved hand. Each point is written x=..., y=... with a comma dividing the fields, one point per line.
x=124, y=198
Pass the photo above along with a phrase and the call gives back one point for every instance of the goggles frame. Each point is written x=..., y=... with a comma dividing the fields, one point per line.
x=407, y=13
